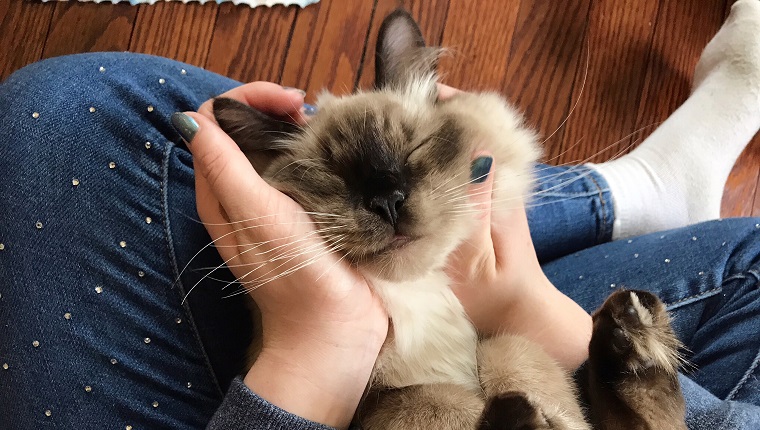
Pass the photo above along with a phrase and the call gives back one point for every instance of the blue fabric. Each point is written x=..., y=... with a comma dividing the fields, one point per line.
x=569, y=210
x=243, y=409
x=95, y=280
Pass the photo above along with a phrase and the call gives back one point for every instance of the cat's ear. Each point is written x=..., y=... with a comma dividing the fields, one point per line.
x=260, y=137
x=401, y=57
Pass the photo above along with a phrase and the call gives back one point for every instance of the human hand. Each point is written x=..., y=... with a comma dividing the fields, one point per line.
x=499, y=281
x=322, y=325
x=496, y=276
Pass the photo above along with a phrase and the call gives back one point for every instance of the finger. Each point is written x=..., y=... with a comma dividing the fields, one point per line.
x=227, y=173
x=481, y=185
x=213, y=216
x=479, y=198
x=478, y=248
x=267, y=97
x=446, y=92
x=510, y=233
x=231, y=189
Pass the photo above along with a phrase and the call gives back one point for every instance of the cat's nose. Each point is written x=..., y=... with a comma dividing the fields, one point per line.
x=387, y=206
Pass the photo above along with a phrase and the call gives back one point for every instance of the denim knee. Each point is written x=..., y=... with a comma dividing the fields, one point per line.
x=90, y=163
x=92, y=99
x=92, y=82
x=68, y=74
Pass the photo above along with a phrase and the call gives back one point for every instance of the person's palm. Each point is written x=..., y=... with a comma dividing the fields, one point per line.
x=323, y=327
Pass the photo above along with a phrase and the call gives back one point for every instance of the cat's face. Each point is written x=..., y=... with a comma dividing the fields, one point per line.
x=388, y=172
x=384, y=173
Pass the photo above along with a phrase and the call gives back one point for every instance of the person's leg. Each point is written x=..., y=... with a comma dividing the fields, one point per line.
x=570, y=209
x=709, y=277
x=97, y=222
x=677, y=175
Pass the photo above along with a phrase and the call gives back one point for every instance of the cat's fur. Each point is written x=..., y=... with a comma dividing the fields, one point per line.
x=394, y=164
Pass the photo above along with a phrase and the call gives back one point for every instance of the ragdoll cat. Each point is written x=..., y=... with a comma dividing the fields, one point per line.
x=392, y=166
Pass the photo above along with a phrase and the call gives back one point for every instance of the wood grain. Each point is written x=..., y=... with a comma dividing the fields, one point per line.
x=327, y=46
x=548, y=58
x=175, y=30
x=251, y=44
x=23, y=30
x=675, y=50
x=620, y=37
x=479, y=39
x=87, y=27
x=641, y=55
x=740, y=197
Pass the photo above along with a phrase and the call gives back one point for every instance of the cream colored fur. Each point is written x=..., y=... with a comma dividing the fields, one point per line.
x=509, y=362
x=434, y=372
x=432, y=340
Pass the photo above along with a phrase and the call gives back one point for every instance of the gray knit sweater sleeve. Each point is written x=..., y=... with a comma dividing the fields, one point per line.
x=243, y=409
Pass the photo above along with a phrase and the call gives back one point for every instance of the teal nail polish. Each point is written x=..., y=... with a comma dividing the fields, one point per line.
x=480, y=168
x=309, y=110
x=185, y=126
x=298, y=90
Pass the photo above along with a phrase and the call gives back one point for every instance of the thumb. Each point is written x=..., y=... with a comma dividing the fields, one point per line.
x=479, y=199
x=478, y=247
x=224, y=170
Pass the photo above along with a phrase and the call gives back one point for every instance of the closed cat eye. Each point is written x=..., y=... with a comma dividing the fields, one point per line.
x=420, y=146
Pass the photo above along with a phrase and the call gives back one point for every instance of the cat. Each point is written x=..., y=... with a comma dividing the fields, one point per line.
x=388, y=169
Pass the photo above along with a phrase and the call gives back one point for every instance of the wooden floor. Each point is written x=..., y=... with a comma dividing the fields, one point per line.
x=635, y=56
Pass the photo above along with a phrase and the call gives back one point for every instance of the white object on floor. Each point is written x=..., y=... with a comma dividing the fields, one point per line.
x=677, y=175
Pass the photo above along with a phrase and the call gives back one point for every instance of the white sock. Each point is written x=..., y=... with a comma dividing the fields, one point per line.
x=676, y=176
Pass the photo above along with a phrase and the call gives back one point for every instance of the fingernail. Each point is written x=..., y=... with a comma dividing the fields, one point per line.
x=299, y=91
x=309, y=110
x=479, y=169
x=185, y=126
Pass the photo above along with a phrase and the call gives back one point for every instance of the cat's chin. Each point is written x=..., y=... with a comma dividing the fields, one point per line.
x=400, y=242
x=404, y=259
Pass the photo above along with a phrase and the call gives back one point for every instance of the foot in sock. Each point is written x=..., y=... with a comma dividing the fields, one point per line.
x=676, y=176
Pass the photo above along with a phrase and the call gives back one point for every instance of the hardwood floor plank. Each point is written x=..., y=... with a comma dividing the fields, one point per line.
x=534, y=51
x=251, y=44
x=479, y=39
x=619, y=38
x=430, y=16
x=326, y=47
x=23, y=29
x=676, y=48
x=88, y=27
x=548, y=48
x=175, y=30
x=740, y=197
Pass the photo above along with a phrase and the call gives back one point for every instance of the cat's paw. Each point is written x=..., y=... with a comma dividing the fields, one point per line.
x=432, y=406
x=512, y=411
x=632, y=329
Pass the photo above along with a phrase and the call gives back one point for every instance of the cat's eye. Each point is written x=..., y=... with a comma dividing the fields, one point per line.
x=420, y=146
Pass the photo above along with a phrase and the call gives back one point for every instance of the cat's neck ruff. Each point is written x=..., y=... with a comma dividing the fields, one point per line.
x=431, y=340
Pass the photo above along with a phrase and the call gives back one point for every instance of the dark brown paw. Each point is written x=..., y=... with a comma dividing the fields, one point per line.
x=512, y=411
x=632, y=368
x=632, y=329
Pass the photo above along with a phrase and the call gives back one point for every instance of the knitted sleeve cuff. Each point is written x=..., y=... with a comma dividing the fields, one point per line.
x=243, y=409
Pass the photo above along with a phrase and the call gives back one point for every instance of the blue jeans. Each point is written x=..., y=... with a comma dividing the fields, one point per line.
x=98, y=221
